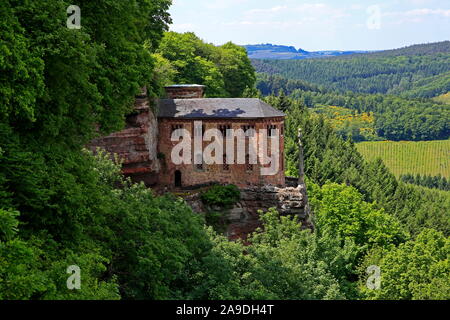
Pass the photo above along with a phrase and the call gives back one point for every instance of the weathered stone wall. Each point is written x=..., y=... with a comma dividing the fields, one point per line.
x=136, y=145
x=184, y=92
x=243, y=218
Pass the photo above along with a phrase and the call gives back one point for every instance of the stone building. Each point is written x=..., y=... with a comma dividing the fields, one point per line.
x=146, y=145
x=252, y=117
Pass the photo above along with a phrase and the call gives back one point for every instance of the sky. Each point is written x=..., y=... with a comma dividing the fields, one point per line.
x=315, y=25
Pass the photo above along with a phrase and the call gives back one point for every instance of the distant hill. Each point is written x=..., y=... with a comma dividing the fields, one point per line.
x=419, y=71
x=278, y=52
x=414, y=50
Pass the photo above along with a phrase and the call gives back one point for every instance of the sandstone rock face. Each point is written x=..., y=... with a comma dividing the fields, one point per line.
x=136, y=145
x=243, y=218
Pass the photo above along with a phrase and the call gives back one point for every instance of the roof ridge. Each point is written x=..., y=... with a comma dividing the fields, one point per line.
x=217, y=108
x=261, y=109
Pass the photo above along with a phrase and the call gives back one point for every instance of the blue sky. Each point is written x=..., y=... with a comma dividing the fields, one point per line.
x=315, y=24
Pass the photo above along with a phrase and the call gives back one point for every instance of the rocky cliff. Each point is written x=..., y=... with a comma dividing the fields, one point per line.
x=136, y=145
x=243, y=218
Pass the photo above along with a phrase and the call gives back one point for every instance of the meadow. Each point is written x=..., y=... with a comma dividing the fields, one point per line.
x=423, y=157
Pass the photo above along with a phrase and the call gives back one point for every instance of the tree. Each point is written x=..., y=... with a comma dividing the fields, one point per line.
x=236, y=68
x=282, y=262
x=341, y=210
x=226, y=71
x=416, y=270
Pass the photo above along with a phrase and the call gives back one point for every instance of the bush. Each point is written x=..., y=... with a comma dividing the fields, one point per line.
x=222, y=196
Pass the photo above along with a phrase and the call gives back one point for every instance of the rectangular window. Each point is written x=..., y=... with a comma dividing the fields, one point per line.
x=226, y=166
x=199, y=162
x=199, y=131
x=271, y=127
x=223, y=129
x=248, y=127
x=176, y=127
x=248, y=165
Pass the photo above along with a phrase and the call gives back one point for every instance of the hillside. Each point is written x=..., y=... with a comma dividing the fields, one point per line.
x=423, y=157
x=414, y=50
x=279, y=52
x=75, y=225
x=418, y=71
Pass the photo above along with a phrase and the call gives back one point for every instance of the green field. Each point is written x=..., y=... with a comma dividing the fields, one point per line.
x=424, y=157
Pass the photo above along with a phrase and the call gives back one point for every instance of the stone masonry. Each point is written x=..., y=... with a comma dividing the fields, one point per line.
x=243, y=218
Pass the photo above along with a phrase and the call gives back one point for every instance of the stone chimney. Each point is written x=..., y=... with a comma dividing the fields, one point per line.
x=185, y=91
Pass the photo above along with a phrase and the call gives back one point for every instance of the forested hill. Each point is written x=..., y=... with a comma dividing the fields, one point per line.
x=270, y=51
x=421, y=71
x=414, y=50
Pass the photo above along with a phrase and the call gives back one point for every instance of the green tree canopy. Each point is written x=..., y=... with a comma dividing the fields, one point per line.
x=226, y=70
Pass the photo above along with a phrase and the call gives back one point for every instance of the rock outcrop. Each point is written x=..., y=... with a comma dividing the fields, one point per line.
x=136, y=145
x=243, y=218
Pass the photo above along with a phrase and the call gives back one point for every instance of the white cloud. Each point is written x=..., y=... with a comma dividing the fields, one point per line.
x=294, y=15
x=182, y=27
x=422, y=12
x=223, y=4
x=419, y=12
x=269, y=10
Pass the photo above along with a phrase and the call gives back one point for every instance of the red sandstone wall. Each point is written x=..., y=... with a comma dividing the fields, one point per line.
x=184, y=92
x=237, y=174
x=136, y=145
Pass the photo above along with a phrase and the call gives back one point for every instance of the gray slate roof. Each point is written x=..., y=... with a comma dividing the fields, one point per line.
x=216, y=108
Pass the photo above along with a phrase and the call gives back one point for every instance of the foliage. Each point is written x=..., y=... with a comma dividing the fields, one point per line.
x=436, y=182
x=416, y=270
x=444, y=98
x=395, y=118
x=226, y=71
x=56, y=83
x=273, y=83
x=329, y=158
x=222, y=196
x=36, y=269
x=412, y=75
x=350, y=124
x=283, y=262
x=341, y=210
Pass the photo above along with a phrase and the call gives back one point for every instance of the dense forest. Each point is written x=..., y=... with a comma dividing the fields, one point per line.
x=433, y=182
x=422, y=75
x=61, y=205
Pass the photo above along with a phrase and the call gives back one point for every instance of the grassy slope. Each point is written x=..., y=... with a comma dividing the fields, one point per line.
x=424, y=157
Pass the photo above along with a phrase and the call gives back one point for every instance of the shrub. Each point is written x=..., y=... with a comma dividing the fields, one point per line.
x=222, y=196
